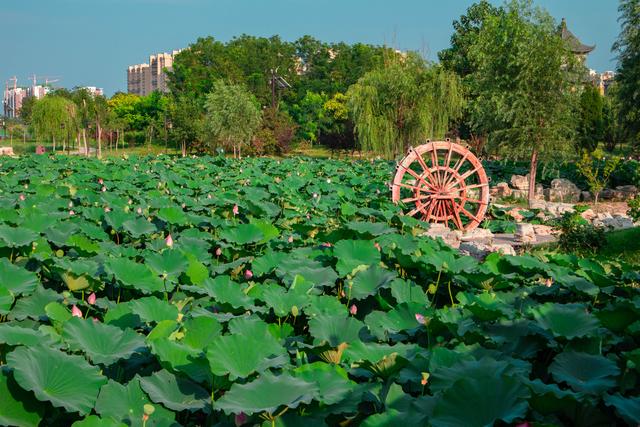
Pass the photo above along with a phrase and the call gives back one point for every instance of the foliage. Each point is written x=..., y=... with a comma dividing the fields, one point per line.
x=628, y=74
x=232, y=115
x=634, y=208
x=521, y=88
x=292, y=291
x=402, y=104
x=591, y=123
x=309, y=113
x=580, y=236
x=277, y=128
x=337, y=130
x=54, y=118
x=596, y=168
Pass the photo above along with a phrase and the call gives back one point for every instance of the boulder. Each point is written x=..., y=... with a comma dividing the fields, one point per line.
x=589, y=215
x=553, y=208
x=501, y=190
x=480, y=250
x=562, y=190
x=520, y=182
x=448, y=236
x=515, y=214
x=542, y=230
x=615, y=222
x=585, y=196
x=6, y=151
x=525, y=233
x=477, y=234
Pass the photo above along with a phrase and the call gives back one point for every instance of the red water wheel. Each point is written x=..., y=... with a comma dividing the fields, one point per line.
x=442, y=182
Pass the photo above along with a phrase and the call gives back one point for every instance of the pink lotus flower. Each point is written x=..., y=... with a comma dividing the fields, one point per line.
x=139, y=211
x=290, y=239
x=420, y=319
x=524, y=424
x=107, y=209
x=377, y=246
x=548, y=282
x=76, y=312
x=218, y=252
x=353, y=310
x=169, y=241
x=235, y=210
x=248, y=274
x=184, y=205
x=208, y=196
x=92, y=298
x=240, y=419
x=100, y=181
x=21, y=197
x=326, y=244
x=104, y=189
x=71, y=212
x=95, y=320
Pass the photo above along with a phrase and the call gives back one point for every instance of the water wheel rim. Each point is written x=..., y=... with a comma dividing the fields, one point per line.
x=441, y=192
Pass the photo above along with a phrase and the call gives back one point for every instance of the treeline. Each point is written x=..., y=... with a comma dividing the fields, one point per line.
x=508, y=85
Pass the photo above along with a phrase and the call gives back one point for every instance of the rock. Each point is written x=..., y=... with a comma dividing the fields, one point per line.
x=6, y=151
x=503, y=248
x=502, y=190
x=520, y=194
x=480, y=250
x=606, y=194
x=589, y=215
x=562, y=190
x=555, y=209
x=448, y=236
x=515, y=214
x=621, y=193
x=520, y=182
x=525, y=233
x=630, y=191
x=542, y=230
x=585, y=196
x=616, y=222
x=477, y=234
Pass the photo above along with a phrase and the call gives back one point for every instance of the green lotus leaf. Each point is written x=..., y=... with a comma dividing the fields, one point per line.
x=268, y=230
x=354, y=253
x=175, y=392
x=173, y=215
x=584, y=372
x=104, y=344
x=310, y=270
x=368, y=282
x=57, y=312
x=401, y=318
x=95, y=421
x=486, y=306
x=13, y=237
x=267, y=394
x=334, y=330
x=267, y=263
x=281, y=301
x=34, y=306
x=152, y=309
x=83, y=244
x=369, y=228
x=481, y=401
x=408, y=292
x=65, y=381
x=243, y=234
x=566, y=320
x=550, y=398
x=627, y=408
x=225, y=291
x=170, y=262
x=17, y=406
x=116, y=218
x=181, y=358
x=17, y=280
x=6, y=300
x=126, y=403
x=75, y=283
x=250, y=348
x=332, y=381
x=374, y=352
x=200, y=331
x=138, y=227
x=196, y=271
x=136, y=276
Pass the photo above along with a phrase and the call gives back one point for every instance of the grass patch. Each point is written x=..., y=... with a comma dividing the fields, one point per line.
x=624, y=244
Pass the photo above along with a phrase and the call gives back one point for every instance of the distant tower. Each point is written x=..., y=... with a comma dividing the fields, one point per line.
x=577, y=47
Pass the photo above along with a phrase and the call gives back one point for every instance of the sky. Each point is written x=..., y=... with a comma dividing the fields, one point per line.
x=91, y=42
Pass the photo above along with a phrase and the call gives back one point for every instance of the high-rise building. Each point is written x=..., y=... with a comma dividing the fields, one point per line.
x=142, y=79
x=14, y=95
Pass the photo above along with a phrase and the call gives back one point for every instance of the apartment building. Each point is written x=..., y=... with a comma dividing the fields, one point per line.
x=142, y=79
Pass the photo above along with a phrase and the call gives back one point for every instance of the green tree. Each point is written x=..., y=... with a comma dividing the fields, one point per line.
x=522, y=85
x=613, y=133
x=591, y=118
x=308, y=113
x=54, y=118
x=628, y=77
x=233, y=116
x=403, y=103
x=186, y=119
x=27, y=108
x=596, y=168
x=85, y=108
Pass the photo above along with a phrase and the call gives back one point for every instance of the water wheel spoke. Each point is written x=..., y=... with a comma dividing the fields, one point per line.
x=417, y=198
x=414, y=211
x=457, y=166
x=456, y=216
x=448, y=158
x=472, y=186
x=467, y=213
x=424, y=166
x=416, y=176
x=409, y=186
x=467, y=174
x=430, y=210
x=434, y=161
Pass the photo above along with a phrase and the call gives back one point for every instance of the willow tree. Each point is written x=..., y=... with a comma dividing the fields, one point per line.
x=54, y=118
x=404, y=103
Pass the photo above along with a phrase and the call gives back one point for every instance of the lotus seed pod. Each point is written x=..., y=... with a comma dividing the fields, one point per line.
x=149, y=409
x=294, y=311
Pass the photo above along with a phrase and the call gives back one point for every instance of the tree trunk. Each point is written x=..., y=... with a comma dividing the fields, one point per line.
x=532, y=177
x=99, y=131
x=184, y=149
x=84, y=140
x=54, y=142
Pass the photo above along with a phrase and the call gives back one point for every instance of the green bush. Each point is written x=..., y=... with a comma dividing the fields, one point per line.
x=578, y=235
x=634, y=208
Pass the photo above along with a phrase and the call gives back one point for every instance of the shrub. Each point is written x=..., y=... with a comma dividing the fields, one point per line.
x=634, y=208
x=578, y=235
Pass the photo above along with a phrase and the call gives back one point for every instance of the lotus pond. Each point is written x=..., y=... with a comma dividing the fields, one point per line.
x=291, y=293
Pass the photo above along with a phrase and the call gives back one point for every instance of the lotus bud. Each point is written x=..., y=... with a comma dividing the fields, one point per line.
x=103, y=189
x=184, y=205
x=71, y=212
x=315, y=195
x=290, y=239
x=420, y=319
x=294, y=311
x=248, y=274
x=377, y=246
x=240, y=419
x=76, y=312
x=70, y=204
x=328, y=180
x=21, y=197
x=130, y=202
x=425, y=378
x=548, y=282
x=107, y=210
x=208, y=196
x=100, y=181
x=169, y=241
x=235, y=210
x=149, y=409
x=139, y=211
x=92, y=298
x=353, y=310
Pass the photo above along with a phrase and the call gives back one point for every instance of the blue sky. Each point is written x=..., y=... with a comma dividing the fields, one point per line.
x=91, y=42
